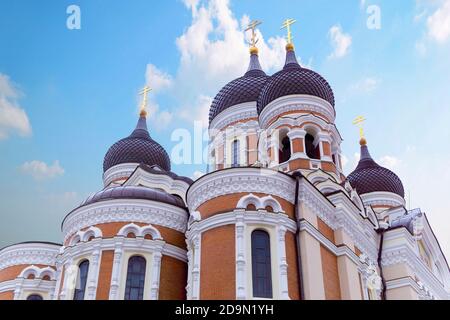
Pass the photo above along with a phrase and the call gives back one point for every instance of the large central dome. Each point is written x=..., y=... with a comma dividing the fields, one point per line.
x=240, y=90
x=138, y=148
x=294, y=79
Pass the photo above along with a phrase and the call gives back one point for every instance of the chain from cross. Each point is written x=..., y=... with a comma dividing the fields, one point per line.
x=287, y=25
x=252, y=26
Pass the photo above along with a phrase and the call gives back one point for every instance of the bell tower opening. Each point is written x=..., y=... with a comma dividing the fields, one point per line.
x=312, y=149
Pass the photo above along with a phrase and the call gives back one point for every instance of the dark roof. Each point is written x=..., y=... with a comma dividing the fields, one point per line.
x=139, y=147
x=294, y=79
x=134, y=192
x=240, y=90
x=371, y=177
x=157, y=170
x=32, y=242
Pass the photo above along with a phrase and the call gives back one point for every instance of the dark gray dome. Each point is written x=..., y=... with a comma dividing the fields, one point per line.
x=294, y=79
x=371, y=177
x=240, y=90
x=139, y=147
x=134, y=192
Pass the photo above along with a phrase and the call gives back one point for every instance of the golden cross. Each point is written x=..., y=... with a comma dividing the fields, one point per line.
x=359, y=121
x=144, y=93
x=252, y=26
x=287, y=25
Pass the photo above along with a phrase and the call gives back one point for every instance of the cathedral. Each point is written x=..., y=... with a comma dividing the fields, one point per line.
x=275, y=217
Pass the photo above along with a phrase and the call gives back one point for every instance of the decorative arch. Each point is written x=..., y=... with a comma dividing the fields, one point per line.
x=38, y=273
x=260, y=203
x=140, y=231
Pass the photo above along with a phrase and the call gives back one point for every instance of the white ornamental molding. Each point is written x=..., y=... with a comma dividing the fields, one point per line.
x=29, y=253
x=339, y=217
x=236, y=113
x=382, y=199
x=327, y=131
x=123, y=170
x=405, y=254
x=290, y=103
x=240, y=180
x=125, y=210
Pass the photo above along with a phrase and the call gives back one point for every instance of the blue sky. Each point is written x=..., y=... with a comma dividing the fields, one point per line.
x=67, y=95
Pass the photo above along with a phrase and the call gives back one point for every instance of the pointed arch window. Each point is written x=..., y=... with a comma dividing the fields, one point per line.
x=134, y=289
x=261, y=268
x=235, y=153
x=35, y=297
x=81, y=280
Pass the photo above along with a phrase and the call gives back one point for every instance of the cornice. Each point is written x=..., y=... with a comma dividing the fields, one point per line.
x=29, y=254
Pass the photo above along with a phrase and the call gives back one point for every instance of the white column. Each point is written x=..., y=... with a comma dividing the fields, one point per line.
x=93, y=273
x=156, y=274
x=115, y=277
x=241, y=279
x=196, y=268
x=283, y=278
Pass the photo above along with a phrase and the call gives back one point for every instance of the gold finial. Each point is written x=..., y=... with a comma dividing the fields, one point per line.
x=253, y=41
x=287, y=25
x=144, y=93
x=359, y=121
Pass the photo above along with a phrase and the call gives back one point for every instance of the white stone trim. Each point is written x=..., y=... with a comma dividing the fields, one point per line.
x=38, y=273
x=388, y=199
x=29, y=253
x=239, y=112
x=125, y=210
x=140, y=231
x=259, y=202
x=23, y=288
x=160, y=181
x=297, y=102
x=400, y=248
x=237, y=180
x=123, y=170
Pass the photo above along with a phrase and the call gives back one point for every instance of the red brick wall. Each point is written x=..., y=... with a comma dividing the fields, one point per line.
x=325, y=230
x=7, y=295
x=104, y=278
x=173, y=279
x=217, y=271
x=291, y=257
x=330, y=274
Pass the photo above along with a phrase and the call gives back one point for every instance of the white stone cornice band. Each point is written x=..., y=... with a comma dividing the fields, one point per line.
x=124, y=210
x=238, y=180
x=233, y=114
x=29, y=253
x=296, y=103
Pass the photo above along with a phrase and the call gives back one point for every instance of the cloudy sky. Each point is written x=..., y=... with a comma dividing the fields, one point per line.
x=67, y=95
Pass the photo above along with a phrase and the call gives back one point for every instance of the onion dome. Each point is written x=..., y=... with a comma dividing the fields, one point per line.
x=139, y=148
x=294, y=79
x=240, y=90
x=371, y=177
x=134, y=192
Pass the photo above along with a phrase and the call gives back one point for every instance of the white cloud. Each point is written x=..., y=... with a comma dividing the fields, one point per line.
x=365, y=85
x=199, y=112
x=157, y=79
x=340, y=41
x=439, y=23
x=389, y=162
x=159, y=119
x=40, y=170
x=13, y=119
x=344, y=161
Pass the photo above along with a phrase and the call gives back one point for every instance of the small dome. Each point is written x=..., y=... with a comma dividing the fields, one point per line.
x=240, y=90
x=139, y=147
x=134, y=192
x=371, y=177
x=294, y=79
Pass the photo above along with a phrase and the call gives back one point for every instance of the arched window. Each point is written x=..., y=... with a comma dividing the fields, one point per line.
x=261, y=270
x=312, y=151
x=134, y=289
x=285, y=150
x=35, y=297
x=235, y=153
x=81, y=280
